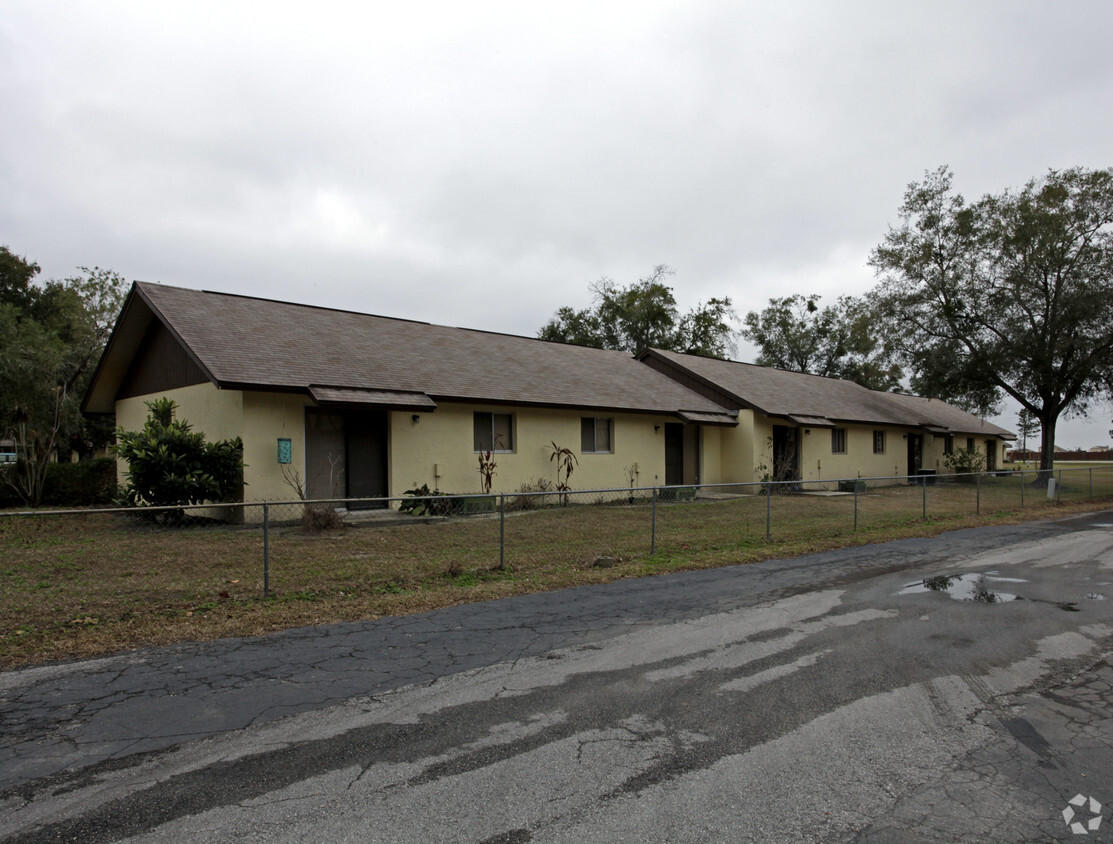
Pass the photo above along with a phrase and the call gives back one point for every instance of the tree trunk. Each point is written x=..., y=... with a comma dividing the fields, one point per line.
x=1047, y=447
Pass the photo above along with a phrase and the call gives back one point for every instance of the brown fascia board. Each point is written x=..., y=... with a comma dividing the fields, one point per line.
x=587, y=408
x=447, y=399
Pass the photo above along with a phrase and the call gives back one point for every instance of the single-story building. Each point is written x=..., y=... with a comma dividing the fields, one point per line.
x=354, y=405
x=792, y=425
x=350, y=405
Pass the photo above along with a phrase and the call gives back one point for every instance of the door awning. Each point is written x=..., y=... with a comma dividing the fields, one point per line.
x=811, y=421
x=708, y=418
x=384, y=399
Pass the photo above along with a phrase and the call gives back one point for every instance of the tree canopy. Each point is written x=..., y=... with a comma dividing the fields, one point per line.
x=796, y=334
x=644, y=315
x=1010, y=294
x=51, y=335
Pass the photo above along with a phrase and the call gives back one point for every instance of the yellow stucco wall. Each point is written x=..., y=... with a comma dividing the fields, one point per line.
x=266, y=418
x=737, y=451
x=859, y=461
x=218, y=414
x=711, y=455
x=438, y=450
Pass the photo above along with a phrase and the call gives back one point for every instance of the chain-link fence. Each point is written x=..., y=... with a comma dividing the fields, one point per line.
x=393, y=546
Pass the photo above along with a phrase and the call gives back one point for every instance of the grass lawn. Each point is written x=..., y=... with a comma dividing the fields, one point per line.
x=78, y=586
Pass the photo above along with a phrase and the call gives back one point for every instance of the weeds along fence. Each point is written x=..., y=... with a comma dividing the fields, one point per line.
x=290, y=549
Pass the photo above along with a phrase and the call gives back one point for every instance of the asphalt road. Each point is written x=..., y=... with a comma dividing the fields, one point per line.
x=824, y=698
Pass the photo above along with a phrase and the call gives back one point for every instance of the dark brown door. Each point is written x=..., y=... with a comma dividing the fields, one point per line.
x=915, y=453
x=366, y=440
x=991, y=455
x=786, y=454
x=674, y=453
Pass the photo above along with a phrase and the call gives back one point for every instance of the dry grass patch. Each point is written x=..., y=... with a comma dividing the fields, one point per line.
x=79, y=586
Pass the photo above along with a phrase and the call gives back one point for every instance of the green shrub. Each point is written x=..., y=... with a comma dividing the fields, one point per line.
x=82, y=484
x=428, y=502
x=87, y=483
x=169, y=463
x=963, y=461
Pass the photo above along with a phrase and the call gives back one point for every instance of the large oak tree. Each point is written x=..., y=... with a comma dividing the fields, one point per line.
x=644, y=315
x=796, y=333
x=1012, y=293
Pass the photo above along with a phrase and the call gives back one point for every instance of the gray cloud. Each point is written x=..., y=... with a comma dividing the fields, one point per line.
x=481, y=164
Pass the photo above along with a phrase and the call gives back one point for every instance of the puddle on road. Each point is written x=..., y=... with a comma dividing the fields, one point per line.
x=964, y=587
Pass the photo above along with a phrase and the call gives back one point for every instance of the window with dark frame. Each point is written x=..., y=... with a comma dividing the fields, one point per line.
x=493, y=431
x=838, y=440
x=949, y=444
x=970, y=444
x=595, y=435
x=878, y=442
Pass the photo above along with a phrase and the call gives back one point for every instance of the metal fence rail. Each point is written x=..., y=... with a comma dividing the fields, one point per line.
x=297, y=545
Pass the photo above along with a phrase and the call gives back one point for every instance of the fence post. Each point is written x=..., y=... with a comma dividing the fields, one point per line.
x=925, y=496
x=855, y=505
x=502, y=531
x=978, y=484
x=266, y=550
x=768, y=510
x=653, y=528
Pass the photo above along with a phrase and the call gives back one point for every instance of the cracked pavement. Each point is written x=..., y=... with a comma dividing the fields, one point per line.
x=800, y=699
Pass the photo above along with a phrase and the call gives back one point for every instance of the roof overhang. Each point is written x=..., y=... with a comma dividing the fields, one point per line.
x=382, y=399
x=703, y=418
x=811, y=421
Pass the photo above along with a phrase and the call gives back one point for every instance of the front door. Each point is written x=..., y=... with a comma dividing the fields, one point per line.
x=674, y=454
x=345, y=455
x=366, y=434
x=991, y=455
x=915, y=453
x=786, y=453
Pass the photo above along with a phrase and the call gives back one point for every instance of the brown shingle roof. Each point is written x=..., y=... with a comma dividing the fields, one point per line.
x=799, y=396
x=243, y=342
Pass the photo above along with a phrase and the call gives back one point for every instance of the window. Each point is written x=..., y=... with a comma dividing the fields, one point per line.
x=838, y=440
x=595, y=435
x=494, y=432
x=970, y=444
x=949, y=444
x=878, y=442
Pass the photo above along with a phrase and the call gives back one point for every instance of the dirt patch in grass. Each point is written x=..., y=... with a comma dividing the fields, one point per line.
x=81, y=586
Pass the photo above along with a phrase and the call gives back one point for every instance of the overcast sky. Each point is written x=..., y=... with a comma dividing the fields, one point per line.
x=480, y=164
